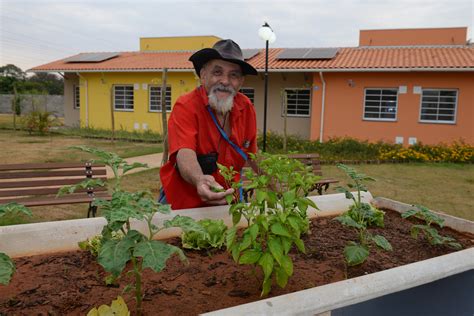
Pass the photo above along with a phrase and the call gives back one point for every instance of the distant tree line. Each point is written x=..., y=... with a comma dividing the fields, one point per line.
x=13, y=78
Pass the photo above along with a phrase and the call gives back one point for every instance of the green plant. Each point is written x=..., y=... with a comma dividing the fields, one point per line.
x=213, y=235
x=138, y=248
x=7, y=266
x=94, y=244
x=360, y=216
x=431, y=233
x=39, y=122
x=276, y=218
x=117, y=308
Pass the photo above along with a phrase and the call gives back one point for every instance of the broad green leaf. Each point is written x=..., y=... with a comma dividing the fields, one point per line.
x=114, y=254
x=155, y=253
x=7, y=268
x=261, y=196
x=294, y=222
x=246, y=242
x=275, y=248
x=409, y=213
x=13, y=208
x=266, y=286
x=300, y=245
x=281, y=277
x=346, y=220
x=117, y=308
x=278, y=229
x=187, y=224
x=266, y=262
x=286, y=244
x=253, y=231
x=287, y=265
x=355, y=254
x=230, y=237
x=250, y=257
x=235, y=252
x=381, y=242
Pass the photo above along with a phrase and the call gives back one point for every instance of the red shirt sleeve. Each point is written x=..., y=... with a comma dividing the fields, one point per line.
x=182, y=127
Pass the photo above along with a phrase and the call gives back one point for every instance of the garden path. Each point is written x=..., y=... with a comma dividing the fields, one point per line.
x=153, y=161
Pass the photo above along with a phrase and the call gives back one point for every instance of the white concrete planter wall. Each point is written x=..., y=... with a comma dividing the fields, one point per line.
x=357, y=296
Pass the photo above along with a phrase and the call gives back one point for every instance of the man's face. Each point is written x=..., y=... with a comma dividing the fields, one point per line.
x=222, y=80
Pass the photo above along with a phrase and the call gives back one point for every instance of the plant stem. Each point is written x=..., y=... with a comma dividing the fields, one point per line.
x=137, y=270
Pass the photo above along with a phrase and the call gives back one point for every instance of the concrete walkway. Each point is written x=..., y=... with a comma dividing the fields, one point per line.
x=153, y=161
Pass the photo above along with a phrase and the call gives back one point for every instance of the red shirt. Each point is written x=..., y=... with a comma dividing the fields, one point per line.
x=191, y=126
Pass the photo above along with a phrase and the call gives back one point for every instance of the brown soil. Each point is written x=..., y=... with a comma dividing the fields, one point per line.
x=72, y=283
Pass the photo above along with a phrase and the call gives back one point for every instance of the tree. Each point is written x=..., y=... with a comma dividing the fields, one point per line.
x=51, y=83
x=10, y=75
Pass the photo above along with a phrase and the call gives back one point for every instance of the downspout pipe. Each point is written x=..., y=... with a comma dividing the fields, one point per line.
x=323, y=106
x=87, y=99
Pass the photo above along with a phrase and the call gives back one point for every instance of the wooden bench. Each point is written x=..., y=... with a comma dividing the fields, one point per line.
x=311, y=160
x=37, y=184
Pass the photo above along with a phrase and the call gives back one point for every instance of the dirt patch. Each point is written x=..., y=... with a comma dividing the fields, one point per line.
x=72, y=283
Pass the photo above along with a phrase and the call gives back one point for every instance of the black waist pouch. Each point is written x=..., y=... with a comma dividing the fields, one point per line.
x=208, y=162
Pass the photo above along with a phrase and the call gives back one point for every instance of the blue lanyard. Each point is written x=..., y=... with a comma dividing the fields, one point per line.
x=236, y=148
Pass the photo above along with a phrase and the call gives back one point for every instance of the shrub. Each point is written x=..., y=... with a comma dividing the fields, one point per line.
x=39, y=122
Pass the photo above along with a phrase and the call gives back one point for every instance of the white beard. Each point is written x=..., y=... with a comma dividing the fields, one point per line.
x=221, y=105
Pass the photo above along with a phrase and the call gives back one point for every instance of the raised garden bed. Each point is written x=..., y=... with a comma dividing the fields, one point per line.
x=72, y=282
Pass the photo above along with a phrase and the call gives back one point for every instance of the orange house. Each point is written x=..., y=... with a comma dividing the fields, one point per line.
x=403, y=86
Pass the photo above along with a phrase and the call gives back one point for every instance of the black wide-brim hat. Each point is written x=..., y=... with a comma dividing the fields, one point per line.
x=227, y=50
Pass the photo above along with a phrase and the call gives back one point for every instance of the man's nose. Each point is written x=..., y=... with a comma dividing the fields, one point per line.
x=225, y=80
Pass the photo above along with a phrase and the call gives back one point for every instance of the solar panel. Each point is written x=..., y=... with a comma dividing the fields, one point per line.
x=249, y=53
x=293, y=53
x=321, y=53
x=308, y=53
x=91, y=57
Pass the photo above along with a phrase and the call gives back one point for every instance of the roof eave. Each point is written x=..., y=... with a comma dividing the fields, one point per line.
x=464, y=69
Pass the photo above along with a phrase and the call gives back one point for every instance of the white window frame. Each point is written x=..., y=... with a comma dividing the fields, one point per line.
x=252, y=99
x=133, y=97
x=76, y=103
x=438, y=107
x=364, y=112
x=296, y=115
x=167, y=98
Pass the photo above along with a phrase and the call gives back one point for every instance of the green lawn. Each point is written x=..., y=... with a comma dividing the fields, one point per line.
x=19, y=147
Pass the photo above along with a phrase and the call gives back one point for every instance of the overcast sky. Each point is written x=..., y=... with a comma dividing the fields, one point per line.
x=35, y=32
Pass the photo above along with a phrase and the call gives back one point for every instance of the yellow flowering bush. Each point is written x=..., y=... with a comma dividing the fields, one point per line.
x=455, y=152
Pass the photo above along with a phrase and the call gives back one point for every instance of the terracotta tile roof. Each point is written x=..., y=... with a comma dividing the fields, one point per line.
x=347, y=59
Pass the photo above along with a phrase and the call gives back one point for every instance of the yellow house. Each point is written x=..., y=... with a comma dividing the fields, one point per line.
x=128, y=85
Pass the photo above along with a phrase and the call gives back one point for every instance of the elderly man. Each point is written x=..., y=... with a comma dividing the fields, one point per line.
x=212, y=124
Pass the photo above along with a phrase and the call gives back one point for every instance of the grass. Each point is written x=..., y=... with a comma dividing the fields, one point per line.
x=447, y=188
x=19, y=147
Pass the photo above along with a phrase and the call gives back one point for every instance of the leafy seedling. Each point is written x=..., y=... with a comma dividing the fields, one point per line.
x=360, y=216
x=430, y=233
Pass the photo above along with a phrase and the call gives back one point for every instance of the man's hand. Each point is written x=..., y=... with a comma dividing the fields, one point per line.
x=206, y=187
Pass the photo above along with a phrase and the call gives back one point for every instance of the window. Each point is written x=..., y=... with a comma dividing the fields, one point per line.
x=380, y=104
x=438, y=105
x=77, y=97
x=249, y=92
x=155, y=99
x=123, y=97
x=298, y=102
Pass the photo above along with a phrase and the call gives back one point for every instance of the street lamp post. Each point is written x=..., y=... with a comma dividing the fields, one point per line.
x=266, y=33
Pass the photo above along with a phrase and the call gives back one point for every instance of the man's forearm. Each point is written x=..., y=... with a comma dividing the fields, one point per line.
x=188, y=165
